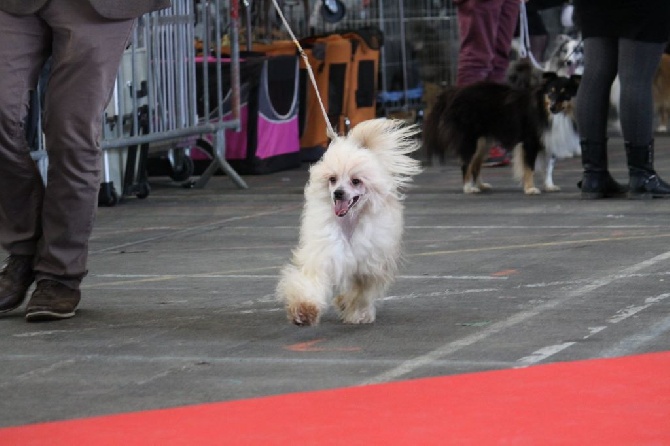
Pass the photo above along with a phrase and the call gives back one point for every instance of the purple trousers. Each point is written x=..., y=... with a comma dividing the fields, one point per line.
x=486, y=29
x=53, y=222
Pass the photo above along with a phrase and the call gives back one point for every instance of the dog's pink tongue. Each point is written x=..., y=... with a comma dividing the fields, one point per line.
x=341, y=208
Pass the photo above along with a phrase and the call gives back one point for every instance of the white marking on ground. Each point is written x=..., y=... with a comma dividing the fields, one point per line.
x=204, y=360
x=192, y=230
x=546, y=352
x=633, y=343
x=429, y=358
x=634, y=309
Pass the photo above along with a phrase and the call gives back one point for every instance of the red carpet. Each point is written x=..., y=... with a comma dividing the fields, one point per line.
x=622, y=401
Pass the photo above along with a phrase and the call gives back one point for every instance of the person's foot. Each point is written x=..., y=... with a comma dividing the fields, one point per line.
x=600, y=184
x=15, y=279
x=498, y=156
x=52, y=300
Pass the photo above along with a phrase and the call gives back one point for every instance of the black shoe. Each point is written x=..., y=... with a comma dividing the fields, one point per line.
x=645, y=185
x=51, y=301
x=15, y=279
x=644, y=182
x=597, y=181
x=596, y=185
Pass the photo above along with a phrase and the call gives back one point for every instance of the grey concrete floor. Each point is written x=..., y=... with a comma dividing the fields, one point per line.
x=178, y=307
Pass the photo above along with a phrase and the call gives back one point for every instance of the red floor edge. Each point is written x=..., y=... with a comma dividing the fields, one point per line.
x=619, y=401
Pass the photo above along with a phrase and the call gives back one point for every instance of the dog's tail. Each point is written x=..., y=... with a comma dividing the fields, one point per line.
x=435, y=133
x=392, y=141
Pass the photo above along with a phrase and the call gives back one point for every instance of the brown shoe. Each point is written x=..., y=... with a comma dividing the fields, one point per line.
x=51, y=301
x=15, y=279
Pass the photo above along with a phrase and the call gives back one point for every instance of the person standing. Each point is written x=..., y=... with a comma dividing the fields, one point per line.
x=486, y=29
x=624, y=37
x=46, y=228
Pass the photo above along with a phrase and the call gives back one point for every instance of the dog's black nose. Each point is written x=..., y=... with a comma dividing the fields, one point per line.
x=338, y=194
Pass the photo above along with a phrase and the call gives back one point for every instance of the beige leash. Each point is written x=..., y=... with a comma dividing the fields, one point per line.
x=329, y=129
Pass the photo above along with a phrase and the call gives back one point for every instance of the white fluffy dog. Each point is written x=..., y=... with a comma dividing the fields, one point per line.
x=352, y=224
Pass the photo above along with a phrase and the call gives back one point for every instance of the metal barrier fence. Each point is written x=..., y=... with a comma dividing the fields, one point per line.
x=155, y=105
x=157, y=101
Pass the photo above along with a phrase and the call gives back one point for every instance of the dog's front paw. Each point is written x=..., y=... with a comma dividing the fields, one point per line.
x=552, y=188
x=532, y=191
x=360, y=316
x=471, y=189
x=303, y=314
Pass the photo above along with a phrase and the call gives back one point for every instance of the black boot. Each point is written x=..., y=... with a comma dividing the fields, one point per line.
x=644, y=182
x=597, y=181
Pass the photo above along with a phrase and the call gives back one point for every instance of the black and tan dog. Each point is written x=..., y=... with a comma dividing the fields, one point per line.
x=467, y=121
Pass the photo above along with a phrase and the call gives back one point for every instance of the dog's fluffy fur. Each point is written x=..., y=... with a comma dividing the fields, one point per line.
x=352, y=223
x=467, y=121
x=560, y=136
x=567, y=56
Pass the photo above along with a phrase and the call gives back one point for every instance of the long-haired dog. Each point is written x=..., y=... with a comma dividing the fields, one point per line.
x=467, y=121
x=560, y=137
x=567, y=56
x=352, y=224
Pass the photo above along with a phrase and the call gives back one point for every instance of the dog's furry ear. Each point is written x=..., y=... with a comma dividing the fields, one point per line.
x=392, y=140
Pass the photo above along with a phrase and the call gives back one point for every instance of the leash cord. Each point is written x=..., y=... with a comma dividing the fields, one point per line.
x=524, y=36
x=329, y=128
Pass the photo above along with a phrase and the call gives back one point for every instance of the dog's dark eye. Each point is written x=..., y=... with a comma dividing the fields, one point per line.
x=355, y=181
x=332, y=180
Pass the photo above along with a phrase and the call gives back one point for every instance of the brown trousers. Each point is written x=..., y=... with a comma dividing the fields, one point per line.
x=54, y=222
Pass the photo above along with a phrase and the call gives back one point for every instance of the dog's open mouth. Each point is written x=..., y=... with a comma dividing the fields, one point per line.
x=342, y=207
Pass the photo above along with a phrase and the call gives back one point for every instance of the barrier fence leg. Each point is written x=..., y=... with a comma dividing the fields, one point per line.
x=219, y=161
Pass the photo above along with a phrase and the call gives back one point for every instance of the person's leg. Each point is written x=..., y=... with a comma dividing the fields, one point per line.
x=23, y=50
x=592, y=101
x=506, y=13
x=87, y=50
x=638, y=62
x=480, y=55
x=477, y=24
x=508, y=16
x=592, y=107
